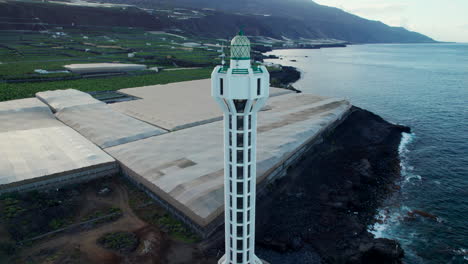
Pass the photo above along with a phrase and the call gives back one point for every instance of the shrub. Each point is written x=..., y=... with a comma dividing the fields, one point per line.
x=123, y=242
x=8, y=248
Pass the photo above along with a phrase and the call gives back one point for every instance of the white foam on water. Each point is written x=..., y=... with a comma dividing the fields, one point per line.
x=411, y=177
x=391, y=217
x=406, y=139
x=403, y=151
x=461, y=252
x=386, y=218
x=379, y=227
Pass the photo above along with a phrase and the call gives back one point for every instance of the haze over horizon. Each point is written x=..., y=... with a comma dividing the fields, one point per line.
x=440, y=20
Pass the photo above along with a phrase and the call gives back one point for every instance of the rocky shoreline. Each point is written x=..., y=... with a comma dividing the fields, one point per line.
x=321, y=210
x=323, y=207
x=285, y=77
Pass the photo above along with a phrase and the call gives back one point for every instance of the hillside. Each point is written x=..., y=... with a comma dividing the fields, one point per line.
x=40, y=16
x=293, y=19
x=290, y=18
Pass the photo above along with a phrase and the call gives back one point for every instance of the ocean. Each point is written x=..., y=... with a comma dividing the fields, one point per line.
x=424, y=86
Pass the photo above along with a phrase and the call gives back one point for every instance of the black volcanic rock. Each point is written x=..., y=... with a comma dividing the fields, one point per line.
x=284, y=77
x=329, y=198
x=383, y=251
x=319, y=212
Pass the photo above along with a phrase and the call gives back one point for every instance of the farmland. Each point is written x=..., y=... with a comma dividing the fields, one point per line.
x=32, y=61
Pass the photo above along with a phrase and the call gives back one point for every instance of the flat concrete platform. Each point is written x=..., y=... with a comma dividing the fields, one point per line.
x=185, y=167
x=175, y=106
x=36, y=149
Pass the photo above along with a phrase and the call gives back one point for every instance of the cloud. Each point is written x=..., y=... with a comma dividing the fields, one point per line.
x=387, y=12
x=464, y=27
x=442, y=20
x=399, y=22
x=367, y=8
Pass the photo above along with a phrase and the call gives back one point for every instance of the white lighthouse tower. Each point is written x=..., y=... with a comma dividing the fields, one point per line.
x=241, y=90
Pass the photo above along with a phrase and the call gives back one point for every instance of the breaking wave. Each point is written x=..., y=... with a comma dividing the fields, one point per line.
x=403, y=151
x=390, y=216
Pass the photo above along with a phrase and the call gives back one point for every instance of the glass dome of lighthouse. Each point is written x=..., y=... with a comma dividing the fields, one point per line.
x=240, y=47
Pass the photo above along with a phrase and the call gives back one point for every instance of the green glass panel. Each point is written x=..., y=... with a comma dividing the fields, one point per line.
x=240, y=48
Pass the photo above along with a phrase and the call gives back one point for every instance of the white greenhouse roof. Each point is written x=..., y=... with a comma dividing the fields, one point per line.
x=170, y=140
x=176, y=106
x=104, y=67
x=34, y=145
x=104, y=126
x=185, y=167
x=60, y=99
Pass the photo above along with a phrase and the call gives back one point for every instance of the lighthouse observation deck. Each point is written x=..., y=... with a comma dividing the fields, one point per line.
x=169, y=142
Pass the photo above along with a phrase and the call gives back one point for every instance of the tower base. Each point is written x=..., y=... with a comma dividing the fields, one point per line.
x=256, y=261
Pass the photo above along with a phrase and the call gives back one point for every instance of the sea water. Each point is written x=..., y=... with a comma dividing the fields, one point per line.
x=424, y=86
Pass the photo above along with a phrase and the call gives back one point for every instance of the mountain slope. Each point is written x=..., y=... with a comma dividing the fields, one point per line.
x=292, y=19
x=39, y=16
x=306, y=18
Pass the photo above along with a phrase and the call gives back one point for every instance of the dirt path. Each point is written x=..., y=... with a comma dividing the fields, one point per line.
x=85, y=241
x=81, y=247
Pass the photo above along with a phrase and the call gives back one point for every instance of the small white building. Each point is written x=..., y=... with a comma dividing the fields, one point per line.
x=90, y=68
x=191, y=44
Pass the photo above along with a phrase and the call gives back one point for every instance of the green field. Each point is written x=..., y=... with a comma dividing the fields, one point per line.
x=10, y=91
x=22, y=53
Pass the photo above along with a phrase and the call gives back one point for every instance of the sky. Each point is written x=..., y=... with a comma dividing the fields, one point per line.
x=442, y=20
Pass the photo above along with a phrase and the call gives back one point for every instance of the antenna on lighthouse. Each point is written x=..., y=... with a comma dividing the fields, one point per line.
x=223, y=55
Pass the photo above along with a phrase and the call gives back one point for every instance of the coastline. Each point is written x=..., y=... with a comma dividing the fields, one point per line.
x=285, y=78
x=324, y=206
x=318, y=46
x=382, y=79
x=364, y=245
x=328, y=200
x=309, y=236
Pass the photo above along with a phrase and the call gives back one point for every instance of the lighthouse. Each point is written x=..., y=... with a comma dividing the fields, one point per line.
x=241, y=90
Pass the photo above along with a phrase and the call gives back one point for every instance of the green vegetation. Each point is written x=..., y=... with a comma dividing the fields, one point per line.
x=26, y=215
x=119, y=241
x=101, y=213
x=25, y=70
x=57, y=223
x=7, y=248
x=148, y=211
x=23, y=53
x=10, y=91
x=12, y=207
x=175, y=228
